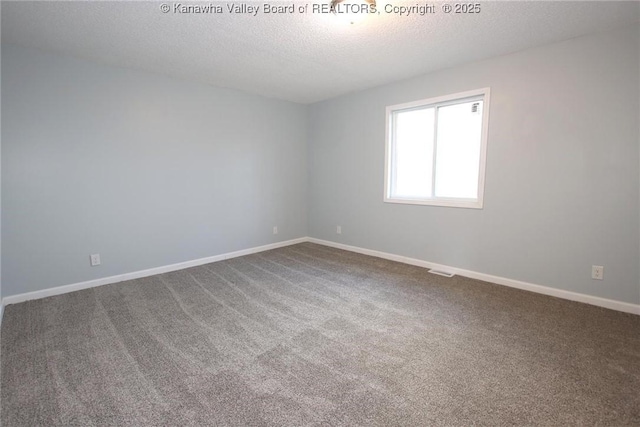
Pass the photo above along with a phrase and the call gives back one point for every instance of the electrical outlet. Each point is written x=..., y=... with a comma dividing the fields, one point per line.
x=275, y=229
x=339, y=230
x=94, y=259
x=597, y=272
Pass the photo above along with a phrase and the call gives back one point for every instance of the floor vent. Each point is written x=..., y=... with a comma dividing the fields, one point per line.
x=441, y=273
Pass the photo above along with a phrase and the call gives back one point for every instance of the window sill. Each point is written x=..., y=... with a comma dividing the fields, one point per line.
x=449, y=203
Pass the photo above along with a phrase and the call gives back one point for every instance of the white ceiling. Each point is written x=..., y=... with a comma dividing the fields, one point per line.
x=301, y=57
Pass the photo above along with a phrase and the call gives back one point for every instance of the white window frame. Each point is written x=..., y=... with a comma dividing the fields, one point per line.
x=455, y=98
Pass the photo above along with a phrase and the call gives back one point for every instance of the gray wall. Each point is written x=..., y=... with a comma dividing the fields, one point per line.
x=149, y=171
x=143, y=169
x=562, y=178
x=1, y=305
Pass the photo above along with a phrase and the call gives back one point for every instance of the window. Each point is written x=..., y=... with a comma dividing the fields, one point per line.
x=435, y=152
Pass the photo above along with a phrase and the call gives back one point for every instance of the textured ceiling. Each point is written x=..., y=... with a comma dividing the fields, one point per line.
x=298, y=57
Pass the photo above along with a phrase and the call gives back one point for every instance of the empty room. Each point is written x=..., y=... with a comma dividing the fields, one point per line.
x=320, y=213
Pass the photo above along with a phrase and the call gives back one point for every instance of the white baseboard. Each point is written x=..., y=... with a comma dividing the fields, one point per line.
x=14, y=299
x=573, y=296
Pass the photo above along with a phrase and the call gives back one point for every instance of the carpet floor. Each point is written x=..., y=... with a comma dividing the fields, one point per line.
x=311, y=335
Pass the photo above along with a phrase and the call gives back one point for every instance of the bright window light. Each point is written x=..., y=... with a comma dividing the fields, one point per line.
x=436, y=150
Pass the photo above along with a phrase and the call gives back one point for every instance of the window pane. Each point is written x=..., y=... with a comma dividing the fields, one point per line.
x=458, y=150
x=412, y=168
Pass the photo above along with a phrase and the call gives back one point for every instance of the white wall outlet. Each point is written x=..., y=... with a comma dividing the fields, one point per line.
x=597, y=272
x=275, y=229
x=94, y=259
x=339, y=229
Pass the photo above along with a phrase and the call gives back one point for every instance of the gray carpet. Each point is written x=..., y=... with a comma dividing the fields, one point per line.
x=310, y=335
